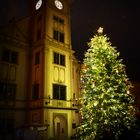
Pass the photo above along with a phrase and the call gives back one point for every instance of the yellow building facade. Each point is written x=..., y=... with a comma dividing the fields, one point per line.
x=41, y=74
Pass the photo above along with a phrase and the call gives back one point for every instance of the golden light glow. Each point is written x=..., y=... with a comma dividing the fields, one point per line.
x=95, y=103
x=100, y=30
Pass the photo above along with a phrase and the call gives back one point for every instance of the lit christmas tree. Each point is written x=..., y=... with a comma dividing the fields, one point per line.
x=107, y=104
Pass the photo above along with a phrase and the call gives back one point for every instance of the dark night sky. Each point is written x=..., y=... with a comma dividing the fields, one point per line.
x=120, y=19
x=121, y=22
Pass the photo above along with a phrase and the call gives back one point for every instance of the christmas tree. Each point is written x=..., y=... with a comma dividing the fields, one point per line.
x=107, y=104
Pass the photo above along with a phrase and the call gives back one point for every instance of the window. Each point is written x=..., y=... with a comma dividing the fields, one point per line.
x=6, y=55
x=58, y=31
x=14, y=56
x=56, y=58
x=7, y=91
x=37, y=58
x=59, y=36
x=55, y=34
x=59, y=92
x=73, y=125
x=35, y=91
x=62, y=60
x=6, y=126
x=58, y=19
x=10, y=56
x=59, y=59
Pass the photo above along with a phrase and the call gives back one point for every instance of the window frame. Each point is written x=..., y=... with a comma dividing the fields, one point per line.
x=59, y=59
x=58, y=35
x=37, y=58
x=58, y=29
x=10, y=56
x=8, y=91
x=35, y=91
x=59, y=92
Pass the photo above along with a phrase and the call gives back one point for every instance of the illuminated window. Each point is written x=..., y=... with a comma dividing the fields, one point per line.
x=58, y=30
x=59, y=59
x=10, y=56
x=37, y=58
x=59, y=92
x=35, y=91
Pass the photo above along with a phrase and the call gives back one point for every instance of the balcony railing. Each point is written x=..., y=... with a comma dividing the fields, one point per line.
x=39, y=103
x=47, y=102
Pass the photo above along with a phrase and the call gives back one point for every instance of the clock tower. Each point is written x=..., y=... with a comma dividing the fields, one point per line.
x=54, y=71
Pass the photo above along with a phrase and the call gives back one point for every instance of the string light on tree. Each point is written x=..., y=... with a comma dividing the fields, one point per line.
x=105, y=94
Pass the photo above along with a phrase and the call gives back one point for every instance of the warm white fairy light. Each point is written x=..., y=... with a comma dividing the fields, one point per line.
x=100, y=30
x=95, y=103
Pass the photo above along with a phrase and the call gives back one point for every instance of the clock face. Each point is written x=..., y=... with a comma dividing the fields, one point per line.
x=38, y=4
x=58, y=4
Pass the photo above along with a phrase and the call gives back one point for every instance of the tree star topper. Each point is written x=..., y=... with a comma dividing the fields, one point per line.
x=100, y=30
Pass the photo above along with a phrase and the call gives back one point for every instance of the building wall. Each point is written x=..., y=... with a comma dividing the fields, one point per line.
x=46, y=109
x=13, y=80
x=36, y=111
